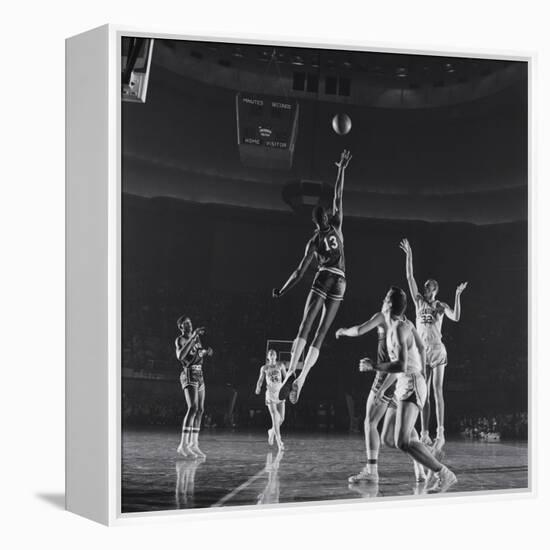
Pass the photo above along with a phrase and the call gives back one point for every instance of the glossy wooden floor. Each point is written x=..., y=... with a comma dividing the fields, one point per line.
x=243, y=469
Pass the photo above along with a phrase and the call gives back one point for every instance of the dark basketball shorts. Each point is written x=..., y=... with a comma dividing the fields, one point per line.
x=329, y=285
x=192, y=376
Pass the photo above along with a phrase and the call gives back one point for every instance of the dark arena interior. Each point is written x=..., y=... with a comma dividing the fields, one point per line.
x=209, y=228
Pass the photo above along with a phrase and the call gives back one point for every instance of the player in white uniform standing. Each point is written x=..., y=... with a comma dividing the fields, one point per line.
x=429, y=319
x=380, y=402
x=273, y=373
x=407, y=360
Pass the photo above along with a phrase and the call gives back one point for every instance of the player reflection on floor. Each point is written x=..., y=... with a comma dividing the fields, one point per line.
x=366, y=490
x=371, y=490
x=270, y=495
x=185, y=481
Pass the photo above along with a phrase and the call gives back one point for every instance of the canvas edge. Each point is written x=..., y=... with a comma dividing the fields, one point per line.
x=87, y=411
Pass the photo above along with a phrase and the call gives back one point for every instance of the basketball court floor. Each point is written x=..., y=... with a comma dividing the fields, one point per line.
x=241, y=469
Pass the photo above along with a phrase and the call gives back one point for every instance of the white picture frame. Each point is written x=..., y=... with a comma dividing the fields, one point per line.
x=93, y=269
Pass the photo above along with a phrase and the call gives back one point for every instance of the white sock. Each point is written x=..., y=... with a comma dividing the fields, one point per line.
x=372, y=466
x=185, y=436
x=418, y=469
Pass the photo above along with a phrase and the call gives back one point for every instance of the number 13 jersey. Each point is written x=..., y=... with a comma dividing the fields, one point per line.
x=329, y=251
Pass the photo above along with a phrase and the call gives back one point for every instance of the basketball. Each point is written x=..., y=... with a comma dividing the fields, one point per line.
x=341, y=124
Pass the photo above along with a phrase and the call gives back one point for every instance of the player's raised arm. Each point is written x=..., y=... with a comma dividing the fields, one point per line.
x=260, y=381
x=342, y=164
x=454, y=314
x=358, y=330
x=299, y=272
x=413, y=287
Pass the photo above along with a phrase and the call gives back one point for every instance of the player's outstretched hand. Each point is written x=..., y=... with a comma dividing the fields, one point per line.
x=405, y=246
x=276, y=293
x=209, y=352
x=339, y=332
x=366, y=365
x=345, y=157
x=461, y=288
x=199, y=331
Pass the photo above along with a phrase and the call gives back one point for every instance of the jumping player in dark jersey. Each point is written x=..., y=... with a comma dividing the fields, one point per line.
x=190, y=354
x=327, y=292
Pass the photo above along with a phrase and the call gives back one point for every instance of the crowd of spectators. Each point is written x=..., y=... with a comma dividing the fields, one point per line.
x=494, y=427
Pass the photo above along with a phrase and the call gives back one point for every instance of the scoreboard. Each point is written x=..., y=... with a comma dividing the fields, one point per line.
x=267, y=127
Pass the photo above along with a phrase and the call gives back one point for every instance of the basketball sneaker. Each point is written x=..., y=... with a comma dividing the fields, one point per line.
x=446, y=479
x=364, y=476
x=181, y=450
x=294, y=394
x=287, y=387
x=186, y=451
x=195, y=451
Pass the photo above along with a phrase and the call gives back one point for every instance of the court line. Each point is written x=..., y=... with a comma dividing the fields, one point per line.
x=238, y=489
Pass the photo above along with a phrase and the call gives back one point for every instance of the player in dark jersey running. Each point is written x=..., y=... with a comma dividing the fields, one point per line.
x=329, y=285
x=190, y=354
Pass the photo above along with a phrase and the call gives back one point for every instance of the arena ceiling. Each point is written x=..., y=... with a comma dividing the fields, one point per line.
x=433, y=138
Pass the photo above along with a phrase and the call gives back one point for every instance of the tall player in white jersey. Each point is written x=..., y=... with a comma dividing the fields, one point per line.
x=429, y=320
x=273, y=373
x=407, y=360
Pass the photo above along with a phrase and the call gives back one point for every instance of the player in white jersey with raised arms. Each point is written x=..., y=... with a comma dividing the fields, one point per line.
x=429, y=320
x=273, y=374
x=407, y=360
